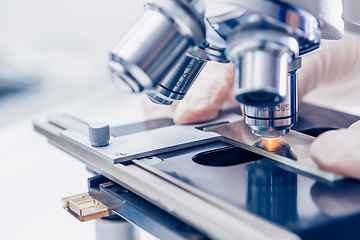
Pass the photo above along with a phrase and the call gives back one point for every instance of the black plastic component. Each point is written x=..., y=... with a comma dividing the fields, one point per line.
x=227, y=156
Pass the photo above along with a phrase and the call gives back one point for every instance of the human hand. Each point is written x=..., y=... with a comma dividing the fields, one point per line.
x=338, y=151
x=203, y=101
x=336, y=70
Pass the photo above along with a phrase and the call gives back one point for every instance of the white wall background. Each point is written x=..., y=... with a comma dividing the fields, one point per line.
x=63, y=46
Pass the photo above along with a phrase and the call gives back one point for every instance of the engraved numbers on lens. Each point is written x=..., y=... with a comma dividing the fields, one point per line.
x=282, y=107
x=184, y=76
x=277, y=108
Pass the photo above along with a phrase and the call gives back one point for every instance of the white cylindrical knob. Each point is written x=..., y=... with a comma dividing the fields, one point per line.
x=99, y=134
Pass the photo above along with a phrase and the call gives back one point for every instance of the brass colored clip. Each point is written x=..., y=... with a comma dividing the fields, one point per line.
x=85, y=208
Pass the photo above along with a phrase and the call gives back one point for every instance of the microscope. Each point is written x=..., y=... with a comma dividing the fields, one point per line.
x=164, y=52
x=227, y=179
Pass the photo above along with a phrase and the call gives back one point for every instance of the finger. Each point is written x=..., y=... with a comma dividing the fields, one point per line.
x=337, y=151
x=153, y=110
x=207, y=95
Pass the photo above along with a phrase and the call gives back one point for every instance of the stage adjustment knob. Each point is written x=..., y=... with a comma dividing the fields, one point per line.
x=99, y=134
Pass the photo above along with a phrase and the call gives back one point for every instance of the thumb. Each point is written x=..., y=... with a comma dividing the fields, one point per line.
x=338, y=151
x=207, y=95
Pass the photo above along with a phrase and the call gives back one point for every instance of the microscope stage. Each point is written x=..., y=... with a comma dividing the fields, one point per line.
x=223, y=184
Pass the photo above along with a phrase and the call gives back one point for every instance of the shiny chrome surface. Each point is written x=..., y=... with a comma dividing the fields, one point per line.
x=156, y=44
x=270, y=128
x=263, y=38
x=215, y=44
x=261, y=58
x=276, y=121
x=261, y=42
x=176, y=84
x=296, y=146
x=296, y=21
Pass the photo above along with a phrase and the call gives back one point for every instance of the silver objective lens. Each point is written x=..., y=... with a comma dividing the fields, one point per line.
x=176, y=84
x=145, y=59
x=261, y=57
x=276, y=120
x=264, y=40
